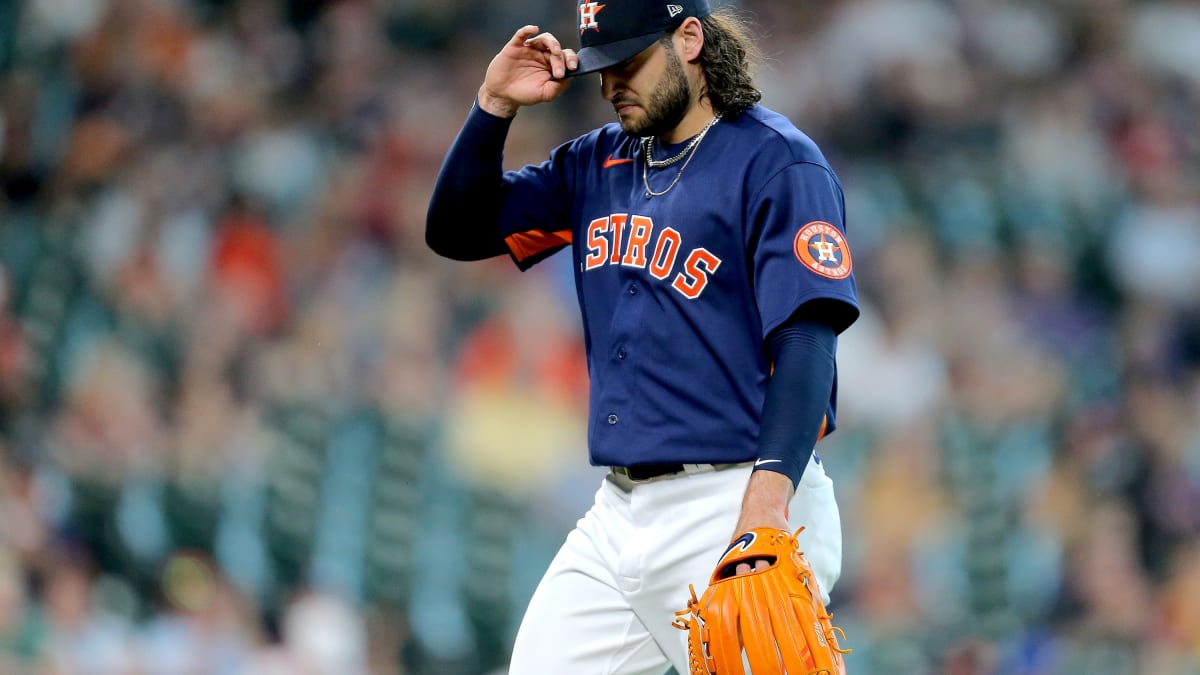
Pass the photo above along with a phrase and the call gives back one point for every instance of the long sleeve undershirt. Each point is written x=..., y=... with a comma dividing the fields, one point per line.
x=797, y=395
x=461, y=223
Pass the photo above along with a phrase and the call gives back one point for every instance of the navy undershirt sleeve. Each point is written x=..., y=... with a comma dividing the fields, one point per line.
x=464, y=209
x=797, y=395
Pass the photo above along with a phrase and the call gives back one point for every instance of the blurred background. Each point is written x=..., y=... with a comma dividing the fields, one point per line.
x=249, y=424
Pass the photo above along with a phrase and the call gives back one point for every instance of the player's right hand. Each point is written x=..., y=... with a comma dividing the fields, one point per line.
x=527, y=71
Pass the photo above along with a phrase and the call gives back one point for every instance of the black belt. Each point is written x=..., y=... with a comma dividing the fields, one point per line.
x=626, y=476
x=641, y=472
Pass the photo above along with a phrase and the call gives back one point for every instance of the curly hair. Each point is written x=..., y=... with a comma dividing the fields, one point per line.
x=728, y=57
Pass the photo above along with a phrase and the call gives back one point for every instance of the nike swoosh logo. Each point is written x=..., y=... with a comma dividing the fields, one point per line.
x=766, y=461
x=743, y=542
x=610, y=162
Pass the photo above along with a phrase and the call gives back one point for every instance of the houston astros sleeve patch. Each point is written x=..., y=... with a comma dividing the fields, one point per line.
x=821, y=248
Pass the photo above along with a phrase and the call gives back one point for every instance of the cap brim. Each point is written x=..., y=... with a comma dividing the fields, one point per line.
x=600, y=57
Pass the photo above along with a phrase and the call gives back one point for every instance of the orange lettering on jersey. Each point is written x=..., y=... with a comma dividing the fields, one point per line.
x=639, y=236
x=665, y=253
x=694, y=277
x=597, y=244
x=618, y=229
x=604, y=237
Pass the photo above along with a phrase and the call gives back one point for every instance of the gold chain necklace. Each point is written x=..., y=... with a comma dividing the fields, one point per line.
x=689, y=152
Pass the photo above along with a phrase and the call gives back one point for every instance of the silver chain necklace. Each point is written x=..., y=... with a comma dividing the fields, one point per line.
x=688, y=152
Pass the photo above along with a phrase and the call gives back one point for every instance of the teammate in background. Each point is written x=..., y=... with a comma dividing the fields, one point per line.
x=713, y=275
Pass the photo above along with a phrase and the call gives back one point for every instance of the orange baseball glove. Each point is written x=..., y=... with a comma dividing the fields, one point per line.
x=775, y=616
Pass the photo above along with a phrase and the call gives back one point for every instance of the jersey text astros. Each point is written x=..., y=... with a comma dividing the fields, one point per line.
x=634, y=241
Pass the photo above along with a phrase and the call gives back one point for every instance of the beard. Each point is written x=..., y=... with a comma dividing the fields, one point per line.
x=667, y=104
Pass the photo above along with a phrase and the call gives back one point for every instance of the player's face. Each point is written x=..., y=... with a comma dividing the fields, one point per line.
x=650, y=92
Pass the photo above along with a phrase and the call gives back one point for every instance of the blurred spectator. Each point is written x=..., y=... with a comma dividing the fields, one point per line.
x=204, y=628
x=321, y=636
x=82, y=636
x=21, y=631
x=15, y=360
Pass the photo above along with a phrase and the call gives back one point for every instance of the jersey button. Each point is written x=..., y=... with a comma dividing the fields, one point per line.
x=633, y=289
x=621, y=353
x=613, y=419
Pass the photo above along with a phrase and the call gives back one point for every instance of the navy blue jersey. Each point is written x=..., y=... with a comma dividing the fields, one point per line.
x=679, y=291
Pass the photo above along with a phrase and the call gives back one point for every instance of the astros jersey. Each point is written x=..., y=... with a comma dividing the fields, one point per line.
x=679, y=291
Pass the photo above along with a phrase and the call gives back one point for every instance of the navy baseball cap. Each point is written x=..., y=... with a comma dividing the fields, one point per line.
x=611, y=31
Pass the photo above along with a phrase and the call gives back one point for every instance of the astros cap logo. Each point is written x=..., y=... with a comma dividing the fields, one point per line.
x=630, y=26
x=823, y=249
x=587, y=16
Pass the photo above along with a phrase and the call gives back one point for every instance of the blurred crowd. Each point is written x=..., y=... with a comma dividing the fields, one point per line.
x=249, y=424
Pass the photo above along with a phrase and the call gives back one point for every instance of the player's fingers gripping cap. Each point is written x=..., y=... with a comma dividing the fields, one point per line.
x=611, y=31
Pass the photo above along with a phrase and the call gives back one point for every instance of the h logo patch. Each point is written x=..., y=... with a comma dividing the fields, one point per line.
x=826, y=250
x=587, y=16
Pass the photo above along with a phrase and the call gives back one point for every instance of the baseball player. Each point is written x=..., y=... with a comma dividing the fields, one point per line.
x=713, y=274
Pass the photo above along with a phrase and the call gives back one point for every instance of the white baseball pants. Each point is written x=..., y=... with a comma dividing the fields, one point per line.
x=606, y=603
